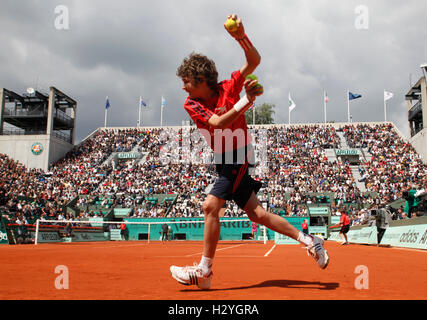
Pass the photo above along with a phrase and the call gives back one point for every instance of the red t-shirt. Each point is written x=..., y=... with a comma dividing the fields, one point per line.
x=236, y=135
x=344, y=220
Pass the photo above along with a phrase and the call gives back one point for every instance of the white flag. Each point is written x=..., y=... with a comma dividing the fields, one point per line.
x=292, y=104
x=388, y=95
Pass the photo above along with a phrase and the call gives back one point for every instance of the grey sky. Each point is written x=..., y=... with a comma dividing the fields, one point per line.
x=124, y=49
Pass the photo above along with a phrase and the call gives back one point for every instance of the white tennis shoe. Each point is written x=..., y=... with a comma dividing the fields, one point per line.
x=191, y=275
x=319, y=253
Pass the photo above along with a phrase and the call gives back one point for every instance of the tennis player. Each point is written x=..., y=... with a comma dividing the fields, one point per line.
x=219, y=113
x=344, y=226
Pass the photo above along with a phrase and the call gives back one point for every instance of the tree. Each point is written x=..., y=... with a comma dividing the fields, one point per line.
x=263, y=114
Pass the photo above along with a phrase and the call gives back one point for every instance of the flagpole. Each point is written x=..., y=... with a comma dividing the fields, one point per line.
x=385, y=108
x=348, y=105
x=139, y=114
x=324, y=102
x=253, y=113
x=106, y=111
x=161, y=116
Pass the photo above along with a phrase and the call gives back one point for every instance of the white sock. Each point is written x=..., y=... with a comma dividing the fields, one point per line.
x=305, y=238
x=206, y=265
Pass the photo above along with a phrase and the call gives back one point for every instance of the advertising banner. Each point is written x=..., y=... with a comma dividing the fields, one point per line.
x=409, y=236
x=367, y=235
x=3, y=237
x=78, y=236
x=3, y=233
x=412, y=236
x=294, y=221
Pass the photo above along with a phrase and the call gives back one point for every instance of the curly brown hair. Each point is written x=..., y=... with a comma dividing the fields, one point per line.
x=198, y=67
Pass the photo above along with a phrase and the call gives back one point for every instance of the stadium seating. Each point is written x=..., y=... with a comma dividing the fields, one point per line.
x=88, y=182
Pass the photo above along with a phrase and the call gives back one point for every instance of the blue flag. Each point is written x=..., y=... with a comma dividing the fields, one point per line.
x=142, y=102
x=353, y=96
x=107, y=104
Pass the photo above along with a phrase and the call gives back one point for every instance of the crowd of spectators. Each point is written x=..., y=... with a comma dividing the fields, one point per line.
x=394, y=166
x=299, y=166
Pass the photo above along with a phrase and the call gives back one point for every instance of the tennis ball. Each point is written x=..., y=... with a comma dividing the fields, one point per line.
x=260, y=89
x=251, y=77
x=231, y=25
x=258, y=86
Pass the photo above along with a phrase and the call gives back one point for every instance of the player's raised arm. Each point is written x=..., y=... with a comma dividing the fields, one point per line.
x=252, y=91
x=235, y=28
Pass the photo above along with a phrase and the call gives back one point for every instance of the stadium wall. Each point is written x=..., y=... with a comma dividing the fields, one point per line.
x=188, y=229
x=53, y=234
x=419, y=142
x=192, y=229
x=20, y=148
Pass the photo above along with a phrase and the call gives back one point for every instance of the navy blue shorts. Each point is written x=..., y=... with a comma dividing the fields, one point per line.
x=234, y=183
x=345, y=229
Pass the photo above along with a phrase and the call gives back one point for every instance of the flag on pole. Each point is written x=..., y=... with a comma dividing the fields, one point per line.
x=388, y=95
x=326, y=97
x=292, y=104
x=107, y=104
x=141, y=102
x=325, y=101
x=352, y=96
x=161, y=110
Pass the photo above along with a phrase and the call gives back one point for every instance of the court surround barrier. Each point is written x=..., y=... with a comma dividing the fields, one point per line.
x=3, y=232
x=189, y=229
x=142, y=229
x=359, y=235
x=151, y=229
x=408, y=233
x=56, y=233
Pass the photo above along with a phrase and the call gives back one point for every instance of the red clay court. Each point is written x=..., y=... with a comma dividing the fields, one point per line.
x=242, y=271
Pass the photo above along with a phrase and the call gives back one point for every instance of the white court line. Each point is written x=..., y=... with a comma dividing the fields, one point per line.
x=195, y=254
x=121, y=246
x=216, y=257
x=268, y=253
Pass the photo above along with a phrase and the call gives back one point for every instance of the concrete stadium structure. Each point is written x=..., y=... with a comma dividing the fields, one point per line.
x=36, y=129
x=417, y=116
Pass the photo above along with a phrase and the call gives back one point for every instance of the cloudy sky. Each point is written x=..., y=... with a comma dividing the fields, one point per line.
x=126, y=49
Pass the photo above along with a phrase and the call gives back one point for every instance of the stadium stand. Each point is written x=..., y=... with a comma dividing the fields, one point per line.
x=101, y=178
